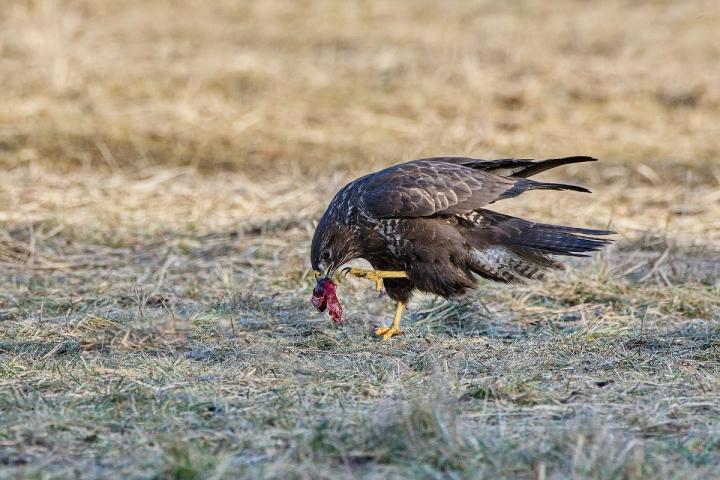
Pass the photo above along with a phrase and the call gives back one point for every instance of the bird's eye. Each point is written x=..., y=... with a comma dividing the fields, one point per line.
x=325, y=255
x=317, y=274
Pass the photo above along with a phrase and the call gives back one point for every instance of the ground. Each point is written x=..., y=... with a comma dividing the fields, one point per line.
x=163, y=164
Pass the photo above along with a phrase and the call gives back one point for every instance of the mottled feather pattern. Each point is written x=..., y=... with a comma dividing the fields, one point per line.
x=427, y=218
x=424, y=188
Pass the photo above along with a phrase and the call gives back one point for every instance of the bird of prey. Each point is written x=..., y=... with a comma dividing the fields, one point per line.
x=423, y=225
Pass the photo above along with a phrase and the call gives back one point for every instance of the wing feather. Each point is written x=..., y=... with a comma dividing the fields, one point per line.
x=511, y=167
x=426, y=188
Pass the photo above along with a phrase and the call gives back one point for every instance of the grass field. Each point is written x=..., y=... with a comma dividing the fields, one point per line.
x=162, y=165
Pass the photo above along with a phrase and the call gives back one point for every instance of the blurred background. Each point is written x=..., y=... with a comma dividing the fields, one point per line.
x=124, y=118
x=162, y=167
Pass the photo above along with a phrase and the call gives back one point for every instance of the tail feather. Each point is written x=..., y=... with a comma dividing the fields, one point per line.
x=545, y=238
x=510, y=249
x=558, y=243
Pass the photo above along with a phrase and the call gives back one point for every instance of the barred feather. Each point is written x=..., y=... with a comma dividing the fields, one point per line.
x=507, y=265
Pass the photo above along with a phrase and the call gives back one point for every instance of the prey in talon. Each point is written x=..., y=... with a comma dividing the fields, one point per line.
x=424, y=226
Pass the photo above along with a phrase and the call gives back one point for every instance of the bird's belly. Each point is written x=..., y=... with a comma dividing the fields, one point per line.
x=431, y=250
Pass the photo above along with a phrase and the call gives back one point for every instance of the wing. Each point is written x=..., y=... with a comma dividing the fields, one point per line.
x=512, y=167
x=429, y=187
x=425, y=188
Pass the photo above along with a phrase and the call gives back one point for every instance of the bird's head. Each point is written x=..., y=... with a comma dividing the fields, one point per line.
x=332, y=246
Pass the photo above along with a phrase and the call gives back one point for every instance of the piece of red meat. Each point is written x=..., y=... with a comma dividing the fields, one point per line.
x=324, y=296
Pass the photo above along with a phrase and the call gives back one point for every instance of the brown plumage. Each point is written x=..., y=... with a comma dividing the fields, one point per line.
x=428, y=218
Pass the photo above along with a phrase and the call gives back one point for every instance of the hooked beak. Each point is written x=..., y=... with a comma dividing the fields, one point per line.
x=329, y=272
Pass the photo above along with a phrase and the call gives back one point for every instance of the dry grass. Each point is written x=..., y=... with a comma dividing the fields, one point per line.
x=163, y=163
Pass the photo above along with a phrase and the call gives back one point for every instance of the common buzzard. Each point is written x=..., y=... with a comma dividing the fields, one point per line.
x=423, y=225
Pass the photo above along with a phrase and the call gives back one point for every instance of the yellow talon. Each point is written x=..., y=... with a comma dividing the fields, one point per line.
x=374, y=275
x=377, y=276
x=388, y=332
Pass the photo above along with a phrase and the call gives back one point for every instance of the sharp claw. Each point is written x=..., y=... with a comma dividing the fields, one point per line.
x=386, y=333
x=390, y=333
x=379, y=330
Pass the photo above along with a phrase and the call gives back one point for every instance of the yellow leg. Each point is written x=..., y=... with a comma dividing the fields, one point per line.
x=388, y=332
x=375, y=275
